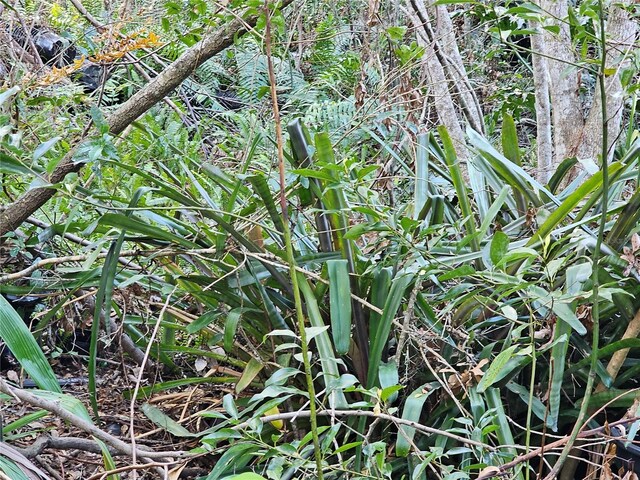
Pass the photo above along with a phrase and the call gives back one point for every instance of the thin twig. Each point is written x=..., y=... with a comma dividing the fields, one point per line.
x=365, y=413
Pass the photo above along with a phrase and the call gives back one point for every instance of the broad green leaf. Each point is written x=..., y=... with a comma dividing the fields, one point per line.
x=412, y=411
x=511, y=150
x=229, y=405
x=496, y=368
x=7, y=94
x=499, y=246
x=323, y=343
x=340, y=304
x=24, y=347
x=463, y=271
x=394, y=299
x=45, y=147
x=261, y=187
x=379, y=291
x=9, y=164
x=234, y=458
x=565, y=312
x=558, y=361
x=230, y=328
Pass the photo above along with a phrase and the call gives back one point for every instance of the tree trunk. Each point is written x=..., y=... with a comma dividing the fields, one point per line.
x=621, y=35
x=573, y=135
x=545, y=167
x=445, y=72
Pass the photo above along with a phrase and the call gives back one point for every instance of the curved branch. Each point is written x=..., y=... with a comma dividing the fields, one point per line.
x=88, y=427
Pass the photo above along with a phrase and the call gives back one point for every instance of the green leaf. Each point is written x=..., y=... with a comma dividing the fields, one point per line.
x=7, y=94
x=451, y=160
x=422, y=175
x=412, y=411
x=309, y=173
x=160, y=419
x=261, y=187
x=229, y=405
x=44, y=148
x=11, y=165
x=463, y=271
x=143, y=228
x=99, y=120
x=564, y=311
x=24, y=347
x=340, y=304
x=234, y=458
x=393, y=301
x=566, y=207
x=323, y=343
x=499, y=246
x=558, y=360
x=496, y=368
x=251, y=371
x=230, y=327
x=396, y=32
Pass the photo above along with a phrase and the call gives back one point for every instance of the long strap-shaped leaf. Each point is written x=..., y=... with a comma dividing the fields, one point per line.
x=451, y=159
x=336, y=201
x=19, y=339
x=328, y=361
x=395, y=298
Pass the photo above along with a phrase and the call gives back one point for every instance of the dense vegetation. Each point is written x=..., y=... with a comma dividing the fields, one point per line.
x=357, y=240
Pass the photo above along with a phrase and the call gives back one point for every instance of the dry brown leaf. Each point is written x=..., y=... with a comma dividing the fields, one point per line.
x=489, y=472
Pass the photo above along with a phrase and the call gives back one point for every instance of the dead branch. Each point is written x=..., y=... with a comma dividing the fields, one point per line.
x=84, y=425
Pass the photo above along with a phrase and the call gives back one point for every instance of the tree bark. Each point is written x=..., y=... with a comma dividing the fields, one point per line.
x=563, y=80
x=573, y=134
x=545, y=167
x=446, y=38
x=433, y=63
x=13, y=215
x=621, y=35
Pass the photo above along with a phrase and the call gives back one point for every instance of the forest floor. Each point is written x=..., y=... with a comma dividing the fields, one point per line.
x=66, y=452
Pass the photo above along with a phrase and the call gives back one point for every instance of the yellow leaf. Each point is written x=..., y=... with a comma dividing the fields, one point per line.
x=279, y=424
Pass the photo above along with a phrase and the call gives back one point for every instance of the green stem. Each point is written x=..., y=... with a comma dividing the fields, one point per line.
x=313, y=418
x=595, y=312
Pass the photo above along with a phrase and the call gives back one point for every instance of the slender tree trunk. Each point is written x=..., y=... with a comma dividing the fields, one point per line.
x=563, y=81
x=456, y=71
x=545, y=167
x=449, y=85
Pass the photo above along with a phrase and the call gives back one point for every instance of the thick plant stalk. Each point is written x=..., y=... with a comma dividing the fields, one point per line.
x=595, y=312
x=313, y=419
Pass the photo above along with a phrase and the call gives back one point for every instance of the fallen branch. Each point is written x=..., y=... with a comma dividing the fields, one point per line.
x=56, y=408
x=63, y=443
